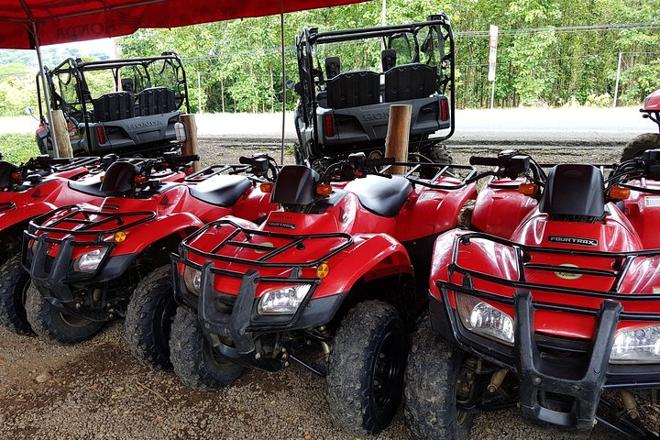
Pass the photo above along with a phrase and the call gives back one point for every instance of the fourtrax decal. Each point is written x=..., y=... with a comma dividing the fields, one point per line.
x=578, y=241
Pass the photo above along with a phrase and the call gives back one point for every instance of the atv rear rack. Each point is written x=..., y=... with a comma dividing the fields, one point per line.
x=81, y=216
x=270, y=252
x=624, y=260
x=214, y=170
x=443, y=170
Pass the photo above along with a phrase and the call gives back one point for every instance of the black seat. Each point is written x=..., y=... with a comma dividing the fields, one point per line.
x=388, y=59
x=156, y=101
x=332, y=67
x=381, y=195
x=114, y=107
x=353, y=89
x=6, y=169
x=91, y=187
x=575, y=191
x=410, y=81
x=221, y=190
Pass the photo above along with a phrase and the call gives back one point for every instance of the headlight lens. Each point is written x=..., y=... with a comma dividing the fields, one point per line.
x=283, y=301
x=636, y=345
x=482, y=318
x=90, y=261
x=193, y=280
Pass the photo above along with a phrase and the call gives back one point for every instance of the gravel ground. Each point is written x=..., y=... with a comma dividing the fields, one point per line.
x=96, y=390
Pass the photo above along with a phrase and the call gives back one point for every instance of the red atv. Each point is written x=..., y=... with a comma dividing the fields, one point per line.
x=561, y=318
x=327, y=282
x=34, y=189
x=88, y=262
x=646, y=141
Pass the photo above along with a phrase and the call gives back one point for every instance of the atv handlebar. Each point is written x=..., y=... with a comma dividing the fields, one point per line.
x=484, y=161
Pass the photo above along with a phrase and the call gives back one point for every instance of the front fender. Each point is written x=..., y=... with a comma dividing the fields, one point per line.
x=369, y=258
x=24, y=213
x=141, y=236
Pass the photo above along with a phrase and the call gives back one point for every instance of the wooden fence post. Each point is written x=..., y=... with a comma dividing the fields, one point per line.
x=398, y=135
x=190, y=146
x=61, y=131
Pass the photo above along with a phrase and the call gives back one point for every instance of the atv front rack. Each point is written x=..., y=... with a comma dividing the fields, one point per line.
x=81, y=217
x=551, y=367
x=293, y=241
x=214, y=170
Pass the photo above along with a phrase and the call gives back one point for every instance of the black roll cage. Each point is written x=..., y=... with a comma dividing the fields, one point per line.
x=76, y=68
x=310, y=38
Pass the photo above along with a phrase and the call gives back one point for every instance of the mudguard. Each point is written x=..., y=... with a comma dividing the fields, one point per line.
x=370, y=257
x=643, y=211
x=500, y=208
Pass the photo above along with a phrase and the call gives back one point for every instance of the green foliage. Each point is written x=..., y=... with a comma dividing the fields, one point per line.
x=18, y=148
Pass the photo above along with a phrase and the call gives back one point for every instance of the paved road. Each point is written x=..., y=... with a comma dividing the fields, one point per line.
x=553, y=126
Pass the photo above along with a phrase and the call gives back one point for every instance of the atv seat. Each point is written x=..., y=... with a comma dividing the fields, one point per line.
x=353, y=89
x=156, y=101
x=381, y=195
x=91, y=187
x=574, y=192
x=114, y=107
x=410, y=81
x=221, y=190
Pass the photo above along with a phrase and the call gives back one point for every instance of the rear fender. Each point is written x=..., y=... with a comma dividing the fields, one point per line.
x=370, y=258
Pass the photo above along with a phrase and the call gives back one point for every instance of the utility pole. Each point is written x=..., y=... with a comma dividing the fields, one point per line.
x=492, y=60
x=618, y=79
x=383, y=14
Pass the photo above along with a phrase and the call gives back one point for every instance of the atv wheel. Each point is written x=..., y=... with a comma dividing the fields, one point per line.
x=366, y=367
x=53, y=324
x=430, y=408
x=639, y=145
x=438, y=154
x=149, y=319
x=192, y=356
x=14, y=283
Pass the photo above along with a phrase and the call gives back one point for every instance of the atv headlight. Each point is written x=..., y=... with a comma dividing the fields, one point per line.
x=636, y=345
x=482, y=318
x=90, y=261
x=283, y=301
x=192, y=278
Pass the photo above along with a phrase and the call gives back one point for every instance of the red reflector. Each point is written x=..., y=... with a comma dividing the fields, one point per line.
x=444, y=110
x=17, y=176
x=329, y=126
x=140, y=180
x=100, y=134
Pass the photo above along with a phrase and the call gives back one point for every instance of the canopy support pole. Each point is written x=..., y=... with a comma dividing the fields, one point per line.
x=283, y=85
x=42, y=74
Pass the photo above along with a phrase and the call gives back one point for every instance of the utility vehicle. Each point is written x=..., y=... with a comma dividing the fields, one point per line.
x=561, y=318
x=344, y=105
x=38, y=187
x=326, y=282
x=87, y=261
x=126, y=107
x=646, y=141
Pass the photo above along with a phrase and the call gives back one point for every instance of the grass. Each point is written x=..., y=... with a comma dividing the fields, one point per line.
x=17, y=148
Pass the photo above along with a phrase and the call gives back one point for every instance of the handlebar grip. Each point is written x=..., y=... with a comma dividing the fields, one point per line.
x=245, y=160
x=484, y=161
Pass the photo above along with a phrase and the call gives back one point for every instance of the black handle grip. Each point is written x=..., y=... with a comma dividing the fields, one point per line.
x=245, y=160
x=186, y=159
x=484, y=161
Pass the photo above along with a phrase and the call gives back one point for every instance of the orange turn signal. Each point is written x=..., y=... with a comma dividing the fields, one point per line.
x=619, y=193
x=528, y=189
x=323, y=189
x=266, y=187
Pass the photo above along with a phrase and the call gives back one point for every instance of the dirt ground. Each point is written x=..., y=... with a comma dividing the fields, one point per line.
x=96, y=390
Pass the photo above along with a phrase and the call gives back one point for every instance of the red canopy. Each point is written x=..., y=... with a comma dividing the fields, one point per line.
x=61, y=21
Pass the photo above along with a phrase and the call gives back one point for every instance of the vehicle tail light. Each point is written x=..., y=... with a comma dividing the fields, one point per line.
x=329, y=125
x=444, y=110
x=140, y=180
x=100, y=134
x=17, y=176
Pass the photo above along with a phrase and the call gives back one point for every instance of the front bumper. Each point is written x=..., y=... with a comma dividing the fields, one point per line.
x=550, y=368
x=233, y=325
